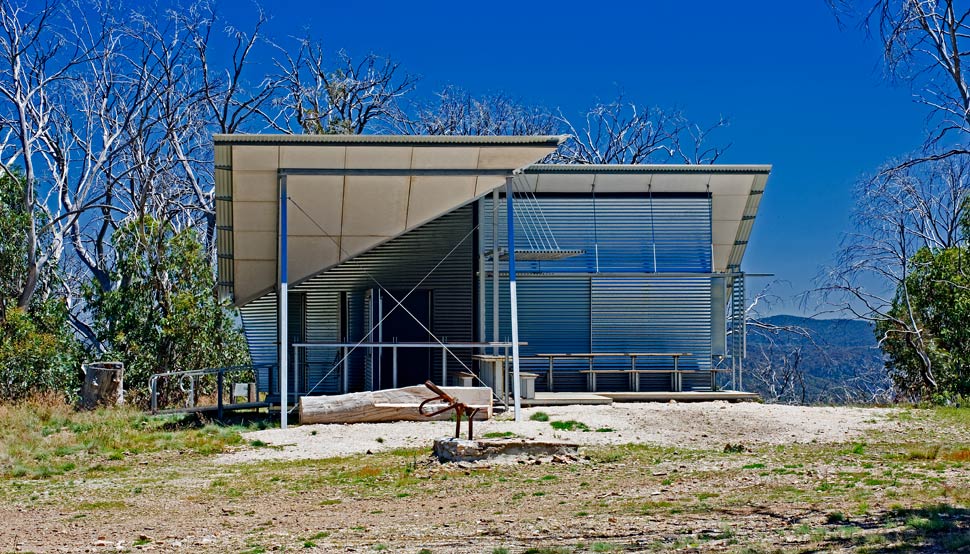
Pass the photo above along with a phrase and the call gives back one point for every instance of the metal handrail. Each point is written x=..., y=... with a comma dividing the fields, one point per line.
x=192, y=376
x=444, y=346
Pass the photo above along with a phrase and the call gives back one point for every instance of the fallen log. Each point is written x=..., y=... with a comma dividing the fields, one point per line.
x=389, y=405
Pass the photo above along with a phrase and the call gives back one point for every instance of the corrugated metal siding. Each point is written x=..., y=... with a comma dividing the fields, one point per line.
x=259, y=326
x=356, y=329
x=652, y=315
x=627, y=229
x=553, y=319
x=321, y=326
x=399, y=264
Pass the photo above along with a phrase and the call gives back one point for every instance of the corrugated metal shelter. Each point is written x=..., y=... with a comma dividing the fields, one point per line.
x=387, y=239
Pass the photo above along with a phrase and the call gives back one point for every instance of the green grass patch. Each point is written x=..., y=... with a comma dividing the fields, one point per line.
x=539, y=416
x=569, y=425
x=498, y=435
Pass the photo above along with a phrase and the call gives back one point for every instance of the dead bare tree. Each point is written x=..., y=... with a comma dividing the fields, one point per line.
x=39, y=51
x=925, y=44
x=351, y=98
x=455, y=111
x=108, y=115
x=775, y=368
x=621, y=132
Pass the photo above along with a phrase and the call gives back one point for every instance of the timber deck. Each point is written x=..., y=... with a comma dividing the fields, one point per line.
x=599, y=398
x=692, y=396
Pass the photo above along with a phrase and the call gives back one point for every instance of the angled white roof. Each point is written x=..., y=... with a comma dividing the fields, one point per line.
x=347, y=195
x=735, y=193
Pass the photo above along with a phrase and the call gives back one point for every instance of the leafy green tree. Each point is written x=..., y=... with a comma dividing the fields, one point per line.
x=163, y=313
x=929, y=359
x=38, y=351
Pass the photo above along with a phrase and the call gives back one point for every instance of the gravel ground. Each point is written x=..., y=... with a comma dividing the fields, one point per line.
x=697, y=425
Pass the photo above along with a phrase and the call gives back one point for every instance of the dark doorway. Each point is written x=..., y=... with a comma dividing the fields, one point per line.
x=413, y=364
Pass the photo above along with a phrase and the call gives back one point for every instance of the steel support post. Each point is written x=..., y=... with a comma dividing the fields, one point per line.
x=281, y=301
x=513, y=309
x=495, y=275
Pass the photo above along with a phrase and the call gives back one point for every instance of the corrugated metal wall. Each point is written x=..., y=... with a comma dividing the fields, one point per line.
x=668, y=315
x=553, y=318
x=593, y=313
x=627, y=229
x=399, y=264
x=259, y=326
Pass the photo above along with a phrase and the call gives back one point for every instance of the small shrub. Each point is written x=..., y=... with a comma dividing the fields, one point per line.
x=922, y=453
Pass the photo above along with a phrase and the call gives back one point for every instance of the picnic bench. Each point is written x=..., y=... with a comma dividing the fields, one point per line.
x=676, y=374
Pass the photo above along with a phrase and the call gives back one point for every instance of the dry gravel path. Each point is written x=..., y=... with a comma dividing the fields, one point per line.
x=697, y=425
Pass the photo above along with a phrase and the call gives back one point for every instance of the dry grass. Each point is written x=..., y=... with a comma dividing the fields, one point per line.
x=884, y=492
x=44, y=436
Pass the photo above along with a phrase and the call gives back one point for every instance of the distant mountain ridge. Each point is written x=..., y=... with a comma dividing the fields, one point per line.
x=836, y=332
x=839, y=362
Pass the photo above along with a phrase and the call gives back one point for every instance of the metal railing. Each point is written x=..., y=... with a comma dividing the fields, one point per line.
x=190, y=385
x=303, y=384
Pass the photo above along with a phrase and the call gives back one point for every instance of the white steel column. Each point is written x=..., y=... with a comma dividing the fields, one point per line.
x=282, y=300
x=513, y=309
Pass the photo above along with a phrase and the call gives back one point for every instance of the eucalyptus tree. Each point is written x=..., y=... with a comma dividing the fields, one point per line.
x=910, y=216
x=903, y=218
x=40, y=53
x=926, y=45
x=623, y=132
x=338, y=96
x=455, y=111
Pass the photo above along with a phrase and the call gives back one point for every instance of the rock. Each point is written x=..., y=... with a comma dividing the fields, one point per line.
x=525, y=451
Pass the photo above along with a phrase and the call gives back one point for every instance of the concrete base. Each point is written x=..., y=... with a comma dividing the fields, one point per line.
x=462, y=450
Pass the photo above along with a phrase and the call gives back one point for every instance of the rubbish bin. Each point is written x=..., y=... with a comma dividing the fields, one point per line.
x=527, y=382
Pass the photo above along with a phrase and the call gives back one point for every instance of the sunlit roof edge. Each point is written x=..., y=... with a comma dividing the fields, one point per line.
x=388, y=140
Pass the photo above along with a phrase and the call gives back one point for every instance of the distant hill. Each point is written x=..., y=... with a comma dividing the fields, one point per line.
x=839, y=361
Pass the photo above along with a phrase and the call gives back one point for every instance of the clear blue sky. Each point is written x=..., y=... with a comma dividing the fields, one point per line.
x=801, y=93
